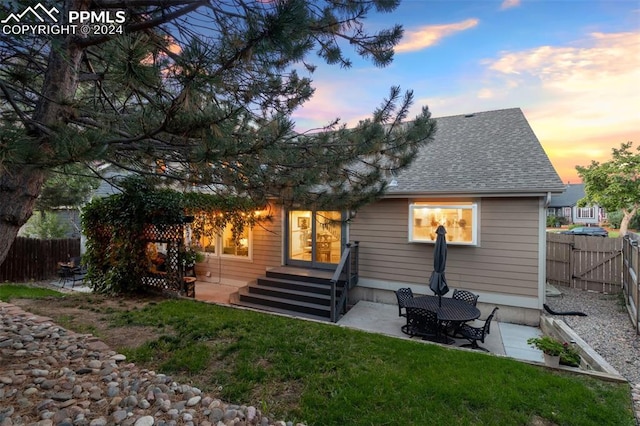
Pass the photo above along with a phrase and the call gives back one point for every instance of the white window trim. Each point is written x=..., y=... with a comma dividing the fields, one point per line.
x=590, y=213
x=470, y=206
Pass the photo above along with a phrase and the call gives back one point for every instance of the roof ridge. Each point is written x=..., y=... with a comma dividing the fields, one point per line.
x=480, y=112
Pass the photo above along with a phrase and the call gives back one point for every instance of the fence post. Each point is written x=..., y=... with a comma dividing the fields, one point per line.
x=635, y=249
x=571, y=265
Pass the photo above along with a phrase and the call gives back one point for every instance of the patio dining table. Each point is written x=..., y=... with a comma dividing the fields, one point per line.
x=447, y=310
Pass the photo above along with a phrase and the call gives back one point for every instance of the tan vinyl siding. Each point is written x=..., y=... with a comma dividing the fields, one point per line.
x=505, y=261
x=267, y=252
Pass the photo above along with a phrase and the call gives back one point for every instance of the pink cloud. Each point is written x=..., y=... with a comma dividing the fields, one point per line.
x=329, y=103
x=430, y=35
x=508, y=4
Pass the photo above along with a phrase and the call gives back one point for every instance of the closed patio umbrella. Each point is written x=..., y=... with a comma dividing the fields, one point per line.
x=437, y=282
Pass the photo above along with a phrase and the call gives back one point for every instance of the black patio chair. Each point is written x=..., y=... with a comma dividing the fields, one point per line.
x=465, y=296
x=403, y=295
x=65, y=272
x=79, y=273
x=421, y=322
x=476, y=334
x=76, y=272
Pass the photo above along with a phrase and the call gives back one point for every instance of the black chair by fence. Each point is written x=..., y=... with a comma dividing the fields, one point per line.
x=476, y=334
x=465, y=296
x=76, y=272
x=79, y=274
x=403, y=295
x=65, y=271
x=421, y=322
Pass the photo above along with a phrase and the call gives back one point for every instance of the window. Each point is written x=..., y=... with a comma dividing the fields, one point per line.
x=208, y=243
x=225, y=243
x=459, y=219
x=586, y=213
x=239, y=247
x=566, y=211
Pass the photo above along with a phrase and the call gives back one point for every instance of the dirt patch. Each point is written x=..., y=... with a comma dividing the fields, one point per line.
x=89, y=313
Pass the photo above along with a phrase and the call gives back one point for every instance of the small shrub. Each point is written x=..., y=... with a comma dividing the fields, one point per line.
x=614, y=219
x=556, y=221
x=547, y=344
x=569, y=355
x=552, y=346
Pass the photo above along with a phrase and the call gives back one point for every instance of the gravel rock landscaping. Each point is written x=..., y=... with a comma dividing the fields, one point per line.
x=607, y=328
x=52, y=376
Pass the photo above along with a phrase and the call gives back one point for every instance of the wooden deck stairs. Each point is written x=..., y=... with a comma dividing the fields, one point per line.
x=293, y=291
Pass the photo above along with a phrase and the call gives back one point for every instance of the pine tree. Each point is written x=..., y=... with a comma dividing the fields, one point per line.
x=201, y=92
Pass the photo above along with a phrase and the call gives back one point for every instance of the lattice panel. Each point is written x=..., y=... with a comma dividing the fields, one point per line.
x=164, y=233
x=163, y=283
x=170, y=280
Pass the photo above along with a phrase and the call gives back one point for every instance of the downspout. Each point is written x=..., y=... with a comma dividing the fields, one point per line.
x=542, y=263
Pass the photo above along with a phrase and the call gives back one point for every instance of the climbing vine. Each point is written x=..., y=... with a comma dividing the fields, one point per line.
x=116, y=250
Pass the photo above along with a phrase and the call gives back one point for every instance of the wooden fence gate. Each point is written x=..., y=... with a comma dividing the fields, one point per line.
x=34, y=259
x=585, y=262
x=630, y=280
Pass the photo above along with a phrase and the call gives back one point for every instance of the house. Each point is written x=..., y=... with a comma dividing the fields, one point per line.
x=485, y=177
x=565, y=206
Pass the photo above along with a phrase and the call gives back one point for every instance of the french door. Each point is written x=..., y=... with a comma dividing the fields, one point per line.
x=315, y=238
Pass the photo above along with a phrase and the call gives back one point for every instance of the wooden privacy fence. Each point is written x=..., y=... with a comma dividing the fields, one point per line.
x=34, y=259
x=585, y=262
x=630, y=281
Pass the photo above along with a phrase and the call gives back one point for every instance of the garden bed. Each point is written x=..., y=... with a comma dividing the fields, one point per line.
x=591, y=362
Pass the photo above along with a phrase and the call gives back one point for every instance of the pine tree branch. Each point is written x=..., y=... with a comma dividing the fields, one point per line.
x=26, y=120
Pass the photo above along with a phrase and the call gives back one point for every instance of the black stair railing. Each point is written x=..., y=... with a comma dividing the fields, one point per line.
x=348, y=267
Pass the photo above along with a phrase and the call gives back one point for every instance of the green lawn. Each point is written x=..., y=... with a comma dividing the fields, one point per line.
x=8, y=291
x=321, y=374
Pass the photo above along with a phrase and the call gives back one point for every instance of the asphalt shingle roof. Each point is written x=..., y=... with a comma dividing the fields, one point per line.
x=481, y=153
x=570, y=197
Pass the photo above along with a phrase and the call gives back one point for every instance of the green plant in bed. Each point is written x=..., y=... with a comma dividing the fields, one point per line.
x=547, y=344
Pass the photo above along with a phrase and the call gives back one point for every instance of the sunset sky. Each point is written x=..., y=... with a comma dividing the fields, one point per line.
x=572, y=66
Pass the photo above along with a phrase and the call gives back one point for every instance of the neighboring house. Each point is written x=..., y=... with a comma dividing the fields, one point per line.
x=565, y=205
x=70, y=216
x=486, y=178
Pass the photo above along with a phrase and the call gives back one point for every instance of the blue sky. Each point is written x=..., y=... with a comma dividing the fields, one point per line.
x=572, y=66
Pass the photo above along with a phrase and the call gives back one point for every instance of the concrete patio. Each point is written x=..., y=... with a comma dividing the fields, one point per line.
x=504, y=339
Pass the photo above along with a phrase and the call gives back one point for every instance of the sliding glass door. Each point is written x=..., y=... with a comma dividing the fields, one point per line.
x=315, y=238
